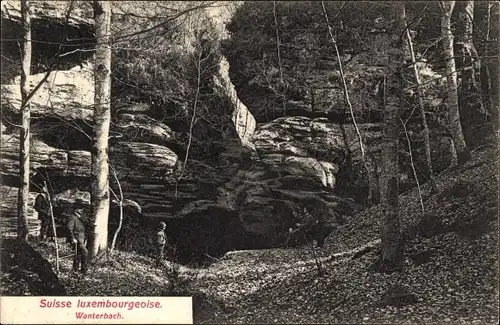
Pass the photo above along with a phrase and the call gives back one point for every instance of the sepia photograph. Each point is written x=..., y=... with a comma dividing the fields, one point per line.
x=249, y=162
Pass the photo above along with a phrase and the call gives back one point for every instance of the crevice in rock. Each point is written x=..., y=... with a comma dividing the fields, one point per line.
x=62, y=134
x=48, y=34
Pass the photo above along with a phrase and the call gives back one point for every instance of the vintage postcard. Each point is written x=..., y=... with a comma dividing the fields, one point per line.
x=180, y=162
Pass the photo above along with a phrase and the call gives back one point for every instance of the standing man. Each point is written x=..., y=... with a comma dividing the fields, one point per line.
x=76, y=234
x=42, y=207
x=161, y=241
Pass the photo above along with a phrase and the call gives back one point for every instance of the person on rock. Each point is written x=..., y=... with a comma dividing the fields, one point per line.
x=42, y=207
x=161, y=241
x=76, y=234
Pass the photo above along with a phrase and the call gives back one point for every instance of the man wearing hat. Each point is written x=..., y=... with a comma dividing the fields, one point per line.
x=161, y=241
x=43, y=208
x=76, y=235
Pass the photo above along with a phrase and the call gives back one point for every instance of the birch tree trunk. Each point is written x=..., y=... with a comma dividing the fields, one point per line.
x=462, y=151
x=100, y=167
x=390, y=256
x=471, y=63
x=24, y=134
x=470, y=57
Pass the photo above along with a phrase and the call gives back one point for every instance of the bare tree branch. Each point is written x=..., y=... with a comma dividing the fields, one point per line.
x=412, y=163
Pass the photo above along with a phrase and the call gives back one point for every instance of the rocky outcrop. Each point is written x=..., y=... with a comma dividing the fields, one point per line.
x=245, y=200
x=140, y=161
x=146, y=161
x=242, y=119
x=134, y=127
x=60, y=162
x=65, y=94
x=72, y=198
x=243, y=196
x=296, y=164
x=301, y=147
x=134, y=160
x=8, y=204
x=54, y=11
x=62, y=29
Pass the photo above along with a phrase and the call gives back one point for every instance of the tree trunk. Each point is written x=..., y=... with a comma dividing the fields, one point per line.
x=470, y=59
x=462, y=151
x=24, y=134
x=495, y=83
x=486, y=78
x=100, y=168
x=280, y=65
x=421, y=105
x=495, y=68
x=472, y=103
x=390, y=256
x=120, y=205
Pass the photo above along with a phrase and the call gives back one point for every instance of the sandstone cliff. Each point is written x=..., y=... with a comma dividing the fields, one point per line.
x=243, y=198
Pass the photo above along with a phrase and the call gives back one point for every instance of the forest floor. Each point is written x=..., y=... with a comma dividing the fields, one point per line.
x=450, y=272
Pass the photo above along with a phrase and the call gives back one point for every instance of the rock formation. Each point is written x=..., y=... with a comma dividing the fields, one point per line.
x=244, y=199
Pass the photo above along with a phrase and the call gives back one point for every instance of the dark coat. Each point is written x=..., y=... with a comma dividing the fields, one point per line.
x=75, y=227
x=42, y=206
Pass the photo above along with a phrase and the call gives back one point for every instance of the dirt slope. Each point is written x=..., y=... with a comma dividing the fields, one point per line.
x=450, y=270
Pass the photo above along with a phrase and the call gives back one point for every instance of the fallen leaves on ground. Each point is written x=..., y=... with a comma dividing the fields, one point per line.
x=452, y=273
